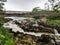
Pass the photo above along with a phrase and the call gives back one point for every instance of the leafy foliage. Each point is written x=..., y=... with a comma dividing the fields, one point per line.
x=5, y=37
x=3, y=20
x=56, y=7
x=36, y=9
x=36, y=17
x=55, y=4
x=1, y=6
x=53, y=17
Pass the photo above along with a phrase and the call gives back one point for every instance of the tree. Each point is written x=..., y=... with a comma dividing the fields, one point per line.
x=36, y=9
x=46, y=6
x=56, y=7
x=51, y=3
x=54, y=4
x=1, y=5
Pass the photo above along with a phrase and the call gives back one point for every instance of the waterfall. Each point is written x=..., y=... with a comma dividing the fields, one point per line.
x=56, y=32
x=36, y=24
x=16, y=28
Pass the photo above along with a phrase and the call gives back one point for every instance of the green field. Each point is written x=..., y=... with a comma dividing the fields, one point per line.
x=56, y=22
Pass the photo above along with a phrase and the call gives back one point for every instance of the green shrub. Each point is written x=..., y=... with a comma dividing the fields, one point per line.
x=56, y=22
x=5, y=37
x=53, y=17
x=3, y=20
x=36, y=17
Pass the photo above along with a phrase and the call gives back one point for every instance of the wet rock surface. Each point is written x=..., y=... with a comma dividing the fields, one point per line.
x=33, y=26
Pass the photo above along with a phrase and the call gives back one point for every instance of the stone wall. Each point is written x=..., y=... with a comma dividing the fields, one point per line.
x=31, y=14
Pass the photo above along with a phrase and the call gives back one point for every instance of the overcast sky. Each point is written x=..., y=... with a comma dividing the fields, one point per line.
x=24, y=5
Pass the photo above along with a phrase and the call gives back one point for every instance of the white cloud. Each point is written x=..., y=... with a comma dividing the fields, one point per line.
x=24, y=5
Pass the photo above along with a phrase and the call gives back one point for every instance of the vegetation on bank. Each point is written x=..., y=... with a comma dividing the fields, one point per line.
x=54, y=22
x=3, y=20
x=5, y=37
x=53, y=17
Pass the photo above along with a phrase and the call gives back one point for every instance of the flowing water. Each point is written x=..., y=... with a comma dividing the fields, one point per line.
x=56, y=32
x=16, y=28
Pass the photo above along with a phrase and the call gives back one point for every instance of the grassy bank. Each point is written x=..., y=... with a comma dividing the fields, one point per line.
x=56, y=22
x=3, y=20
x=5, y=36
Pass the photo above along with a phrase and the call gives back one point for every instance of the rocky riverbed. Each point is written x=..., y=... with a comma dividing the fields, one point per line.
x=29, y=28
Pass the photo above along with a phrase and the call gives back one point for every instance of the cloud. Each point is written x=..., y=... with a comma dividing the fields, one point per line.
x=23, y=5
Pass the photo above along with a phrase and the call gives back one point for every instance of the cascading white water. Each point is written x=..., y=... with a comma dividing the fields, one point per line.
x=36, y=24
x=56, y=32
x=16, y=28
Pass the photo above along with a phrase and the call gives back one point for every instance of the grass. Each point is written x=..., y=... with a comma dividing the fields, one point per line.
x=56, y=22
x=5, y=37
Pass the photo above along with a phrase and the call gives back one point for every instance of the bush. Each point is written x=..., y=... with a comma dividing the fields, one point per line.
x=3, y=20
x=36, y=17
x=5, y=37
x=53, y=17
x=56, y=22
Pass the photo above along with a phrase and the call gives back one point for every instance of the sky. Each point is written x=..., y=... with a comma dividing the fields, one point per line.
x=23, y=5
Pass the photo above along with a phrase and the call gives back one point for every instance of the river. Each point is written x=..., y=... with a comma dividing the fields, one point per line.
x=16, y=28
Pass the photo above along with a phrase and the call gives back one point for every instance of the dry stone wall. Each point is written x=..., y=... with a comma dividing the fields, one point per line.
x=31, y=14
